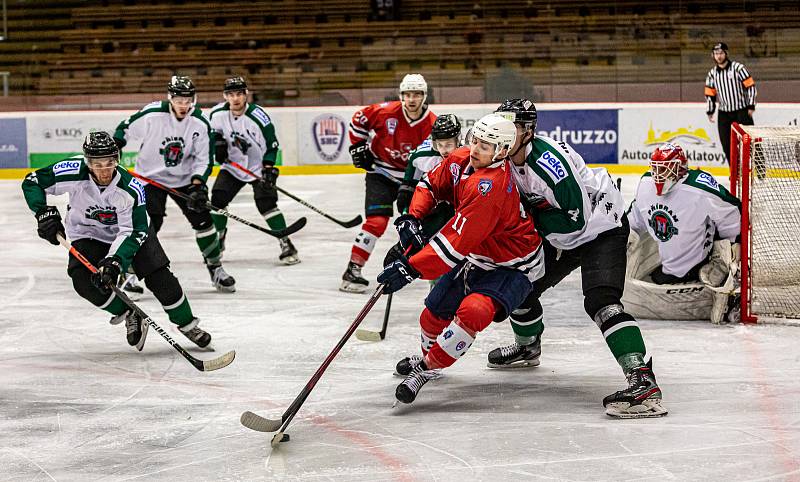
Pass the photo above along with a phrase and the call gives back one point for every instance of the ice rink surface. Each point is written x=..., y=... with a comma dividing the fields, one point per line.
x=77, y=403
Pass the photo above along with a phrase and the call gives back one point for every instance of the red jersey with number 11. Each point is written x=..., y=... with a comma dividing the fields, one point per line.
x=490, y=228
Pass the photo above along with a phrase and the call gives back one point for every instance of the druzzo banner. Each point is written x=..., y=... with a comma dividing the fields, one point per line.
x=592, y=133
x=13, y=143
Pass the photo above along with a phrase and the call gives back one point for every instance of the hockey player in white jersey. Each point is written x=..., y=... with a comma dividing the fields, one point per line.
x=244, y=133
x=107, y=222
x=695, y=223
x=580, y=213
x=176, y=151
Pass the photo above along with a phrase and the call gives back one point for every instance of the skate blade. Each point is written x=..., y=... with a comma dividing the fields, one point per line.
x=347, y=287
x=436, y=376
x=516, y=365
x=290, y=260
x=648, y=409
x=225, y=289
x=145, y=327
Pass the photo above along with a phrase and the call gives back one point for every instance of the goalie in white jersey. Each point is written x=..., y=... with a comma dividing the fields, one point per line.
x=176, y=151
x=107, y=223
x=695, y=224
x=244, y=134
x=580, y=213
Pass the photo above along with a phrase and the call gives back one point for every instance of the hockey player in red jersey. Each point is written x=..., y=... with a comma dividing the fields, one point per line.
x=382, y=137
x=489, y=254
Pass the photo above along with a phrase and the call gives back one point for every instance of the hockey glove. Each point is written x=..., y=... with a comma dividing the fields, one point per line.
x=410, y=231
x=50, y=225
x=398, y=274
x=362, y=156
x=269, y=175
x=108, y=270
x=198, y=197
x=404, y=195
x=220, y=148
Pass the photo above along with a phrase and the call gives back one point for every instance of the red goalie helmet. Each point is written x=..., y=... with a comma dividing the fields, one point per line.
x=668, y=164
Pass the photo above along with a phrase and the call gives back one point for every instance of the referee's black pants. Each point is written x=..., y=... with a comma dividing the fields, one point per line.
x=724, y=122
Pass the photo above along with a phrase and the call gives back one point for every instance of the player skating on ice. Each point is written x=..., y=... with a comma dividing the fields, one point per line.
x=244, y=133
x=107, y=222
x=580, y=213
x=382, y=136
x=695, y=225
x=176, y=151
x=489, y=252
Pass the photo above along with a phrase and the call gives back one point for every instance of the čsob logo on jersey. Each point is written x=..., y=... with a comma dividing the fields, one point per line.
x=593, y=133
x=328, y=133
x=13, y=143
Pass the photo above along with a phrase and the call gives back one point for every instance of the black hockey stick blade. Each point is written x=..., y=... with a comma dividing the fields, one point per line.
x=356, y=221
x=290, y=229
x=259, y=423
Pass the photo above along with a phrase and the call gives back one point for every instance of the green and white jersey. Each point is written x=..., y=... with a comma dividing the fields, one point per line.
x=116, y=215
x=421, y=160
x=172, y=151
x=686, y=220
x=251, y=138
x=584, y=202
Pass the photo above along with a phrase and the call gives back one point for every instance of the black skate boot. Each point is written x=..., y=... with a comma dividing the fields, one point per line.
x=407, y=364
x=196, y=334
x=288, y=254
x=222, y=281
x=409, y=388
x=136, y=328
x=352, y=281
x=516, y=355
x=641, y=399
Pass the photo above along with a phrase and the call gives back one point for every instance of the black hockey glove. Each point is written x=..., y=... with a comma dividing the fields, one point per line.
x=269, y=175
x=398, y=274
x=198, y=197
x=50, y=224
x=220, y=148
x=410, y=231
x=108, y=270
x=404, y=195
x=362, y=156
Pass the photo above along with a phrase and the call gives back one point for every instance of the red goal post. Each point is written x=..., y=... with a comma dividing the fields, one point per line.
x=765, y=175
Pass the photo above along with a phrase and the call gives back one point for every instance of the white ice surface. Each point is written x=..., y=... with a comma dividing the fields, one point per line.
x=77, y=403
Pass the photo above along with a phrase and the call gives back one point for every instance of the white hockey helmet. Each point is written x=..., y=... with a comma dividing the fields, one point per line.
x=497, y=130
x=414, y=83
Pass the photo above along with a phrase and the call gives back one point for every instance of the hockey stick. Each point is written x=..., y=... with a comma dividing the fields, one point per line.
x=202, y=365
x=369, y=335
x=261, y=424
x=291, y=229
x=345, y=224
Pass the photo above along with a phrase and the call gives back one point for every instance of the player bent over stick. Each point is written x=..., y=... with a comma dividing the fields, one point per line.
x=108, y=223
x=490, y=251
x=244, y=133
x=580, y=213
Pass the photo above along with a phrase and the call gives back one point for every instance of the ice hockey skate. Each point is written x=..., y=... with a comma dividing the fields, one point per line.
x=409, y=388
x=135, y=327
x=407, y=364
x=352, y=281
x=516, y=355
x=642, y=398
x=222, y=281
x=288, y=254
x=196, y=334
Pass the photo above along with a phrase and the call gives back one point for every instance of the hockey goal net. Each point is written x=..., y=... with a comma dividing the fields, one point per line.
x=765, y=175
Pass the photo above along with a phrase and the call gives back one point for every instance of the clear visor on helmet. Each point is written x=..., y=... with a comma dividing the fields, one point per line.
x=182, y=101
x=103, y=163
x=445, y=146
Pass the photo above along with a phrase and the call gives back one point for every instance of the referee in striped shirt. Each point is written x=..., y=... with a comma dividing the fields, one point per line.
x=730, y=83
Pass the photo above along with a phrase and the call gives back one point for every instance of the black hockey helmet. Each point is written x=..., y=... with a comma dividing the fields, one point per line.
x=181, y=86
x=99, y=144
x=720, y=46
x=446, y=126
x=235, y=84
x=519, y=111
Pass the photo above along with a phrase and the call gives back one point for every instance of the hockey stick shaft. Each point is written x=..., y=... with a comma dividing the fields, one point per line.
x=296, y=226
x=201, y=365
x=347, y=224
x=256, y=422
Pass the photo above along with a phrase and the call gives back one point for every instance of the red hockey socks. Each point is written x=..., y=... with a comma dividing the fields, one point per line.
x=372, y=229
x=473, y=315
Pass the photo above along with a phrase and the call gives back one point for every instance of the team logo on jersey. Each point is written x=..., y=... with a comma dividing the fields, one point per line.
x=484, y=186
x=105, y=215
x=552, y=166
x=172, y=151
x=455, y=172
x=328, y=132
x=662, y=221
x=391, y=125
x=240, y=142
